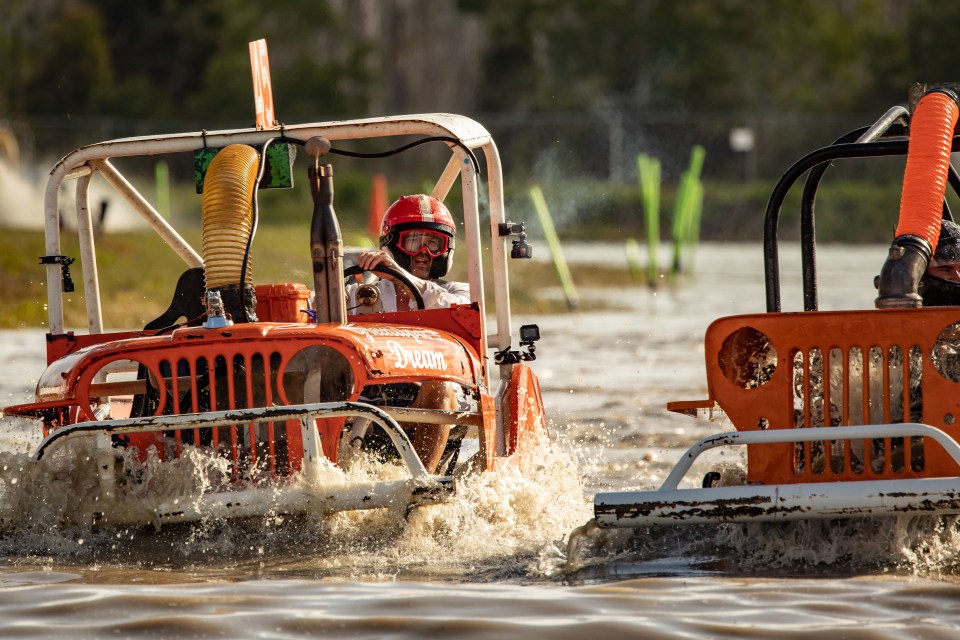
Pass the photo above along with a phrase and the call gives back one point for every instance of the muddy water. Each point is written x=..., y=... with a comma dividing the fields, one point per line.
x=493, y=562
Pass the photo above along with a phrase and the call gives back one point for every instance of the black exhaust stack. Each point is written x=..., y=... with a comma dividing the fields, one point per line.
x=326, y=249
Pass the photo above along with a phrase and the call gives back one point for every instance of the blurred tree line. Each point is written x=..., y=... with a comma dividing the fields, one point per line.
x=568, y=87
x=186, y=60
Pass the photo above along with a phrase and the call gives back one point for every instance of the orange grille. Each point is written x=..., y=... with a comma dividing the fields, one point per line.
x=856, y=386
x=243, y=381
x=832, y=369
x=225, y=376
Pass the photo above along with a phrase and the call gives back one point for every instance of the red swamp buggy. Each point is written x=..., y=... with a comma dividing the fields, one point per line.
x=255, y=375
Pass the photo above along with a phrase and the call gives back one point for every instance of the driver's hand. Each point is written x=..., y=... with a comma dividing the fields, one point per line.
x=369, y=259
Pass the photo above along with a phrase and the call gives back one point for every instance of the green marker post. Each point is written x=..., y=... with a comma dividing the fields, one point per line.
x=649, y=171
x=556, y=252
x=162, y=177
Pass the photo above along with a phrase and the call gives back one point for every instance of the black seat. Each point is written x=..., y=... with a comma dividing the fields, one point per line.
x=187, y=302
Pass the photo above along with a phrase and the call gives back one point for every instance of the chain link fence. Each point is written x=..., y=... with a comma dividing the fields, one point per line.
x=585, y=161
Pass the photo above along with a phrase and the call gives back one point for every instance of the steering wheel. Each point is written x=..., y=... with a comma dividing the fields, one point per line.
x=390, y=271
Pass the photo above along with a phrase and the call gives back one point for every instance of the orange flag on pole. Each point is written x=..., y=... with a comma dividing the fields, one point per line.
x=262, y=87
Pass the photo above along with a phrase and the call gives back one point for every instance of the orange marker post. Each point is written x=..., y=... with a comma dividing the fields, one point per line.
x=378, y=206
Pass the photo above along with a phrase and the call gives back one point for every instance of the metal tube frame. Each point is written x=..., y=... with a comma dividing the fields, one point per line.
x=95, y=157
x=88, y=256
x=233, y=417
x=811, y=434
x=671, y=505
x=421, y=488
x=860, y=143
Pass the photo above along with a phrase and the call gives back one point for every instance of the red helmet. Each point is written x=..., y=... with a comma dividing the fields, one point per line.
x=419, y=212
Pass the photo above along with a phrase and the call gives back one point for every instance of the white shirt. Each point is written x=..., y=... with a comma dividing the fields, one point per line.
x=436, y=295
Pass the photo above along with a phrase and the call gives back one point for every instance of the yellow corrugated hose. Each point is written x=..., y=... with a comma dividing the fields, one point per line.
x=226, y=209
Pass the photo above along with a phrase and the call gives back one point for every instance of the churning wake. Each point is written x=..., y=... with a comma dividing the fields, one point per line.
x=497, y=525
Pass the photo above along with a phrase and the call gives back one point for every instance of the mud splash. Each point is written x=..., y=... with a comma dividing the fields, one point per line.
x=496, y=525
x=922, y=546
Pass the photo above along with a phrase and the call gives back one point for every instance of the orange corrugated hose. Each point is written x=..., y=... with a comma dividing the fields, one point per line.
x=928, y=162
x=226, y=210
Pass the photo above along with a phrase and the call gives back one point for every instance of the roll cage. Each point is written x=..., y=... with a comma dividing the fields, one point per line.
x=80, y=165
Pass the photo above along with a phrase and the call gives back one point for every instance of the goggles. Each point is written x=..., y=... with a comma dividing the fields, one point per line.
x=415, y=241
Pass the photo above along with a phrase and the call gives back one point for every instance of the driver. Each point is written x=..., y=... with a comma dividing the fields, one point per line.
x=416, y=237
x=940, y=284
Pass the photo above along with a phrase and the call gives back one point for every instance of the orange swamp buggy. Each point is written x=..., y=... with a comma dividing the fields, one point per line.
x=266, y=380
x=843, y=413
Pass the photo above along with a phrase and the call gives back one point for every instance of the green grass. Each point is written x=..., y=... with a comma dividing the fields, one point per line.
x=138, y=272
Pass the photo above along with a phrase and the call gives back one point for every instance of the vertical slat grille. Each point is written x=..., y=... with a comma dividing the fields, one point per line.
x=238, y=381
x=857, y=386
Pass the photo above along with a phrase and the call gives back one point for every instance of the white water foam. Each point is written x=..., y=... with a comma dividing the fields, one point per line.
x=913, y=545
x=498, y=522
